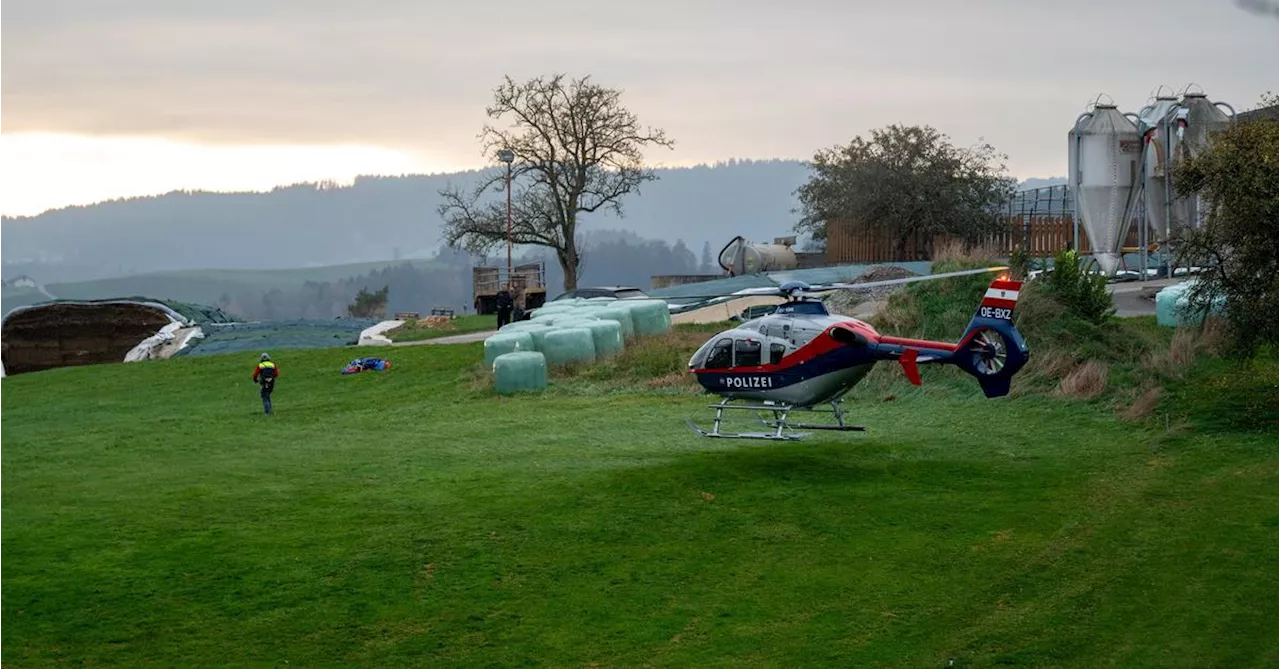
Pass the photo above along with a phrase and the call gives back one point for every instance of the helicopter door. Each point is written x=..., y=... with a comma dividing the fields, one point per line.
x=721, y=355
x=746, y=353
x=776, y=351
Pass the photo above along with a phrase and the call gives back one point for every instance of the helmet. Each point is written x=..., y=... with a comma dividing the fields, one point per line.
x=264, y=357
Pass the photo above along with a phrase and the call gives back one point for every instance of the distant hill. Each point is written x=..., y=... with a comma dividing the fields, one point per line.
x=373, y=220
x=1037, y=182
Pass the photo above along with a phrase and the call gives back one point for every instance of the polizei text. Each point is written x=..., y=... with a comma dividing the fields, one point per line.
x=748, y=381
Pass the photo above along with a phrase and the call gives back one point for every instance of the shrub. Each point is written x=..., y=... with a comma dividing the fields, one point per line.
x=1084, y=294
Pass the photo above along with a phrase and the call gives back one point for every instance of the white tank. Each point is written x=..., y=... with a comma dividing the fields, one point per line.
x=1104, y=147
x=740, y=257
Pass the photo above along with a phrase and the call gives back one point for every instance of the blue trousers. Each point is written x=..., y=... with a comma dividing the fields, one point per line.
x=266, y=400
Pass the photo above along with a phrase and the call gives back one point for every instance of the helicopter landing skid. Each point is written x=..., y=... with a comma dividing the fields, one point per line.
x=781, y=428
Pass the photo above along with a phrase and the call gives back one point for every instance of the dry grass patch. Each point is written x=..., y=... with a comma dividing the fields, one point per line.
x=1187, y=344
x=955, y=250
x=1086, y=382
x=1142, y=406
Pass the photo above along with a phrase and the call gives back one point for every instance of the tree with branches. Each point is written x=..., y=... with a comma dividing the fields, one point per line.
x=577, y=150
x=1238, y=242
x=905, y=182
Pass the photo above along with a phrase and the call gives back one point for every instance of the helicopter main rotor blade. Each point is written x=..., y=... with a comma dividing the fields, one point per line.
x=828, y=287
x=814, y=289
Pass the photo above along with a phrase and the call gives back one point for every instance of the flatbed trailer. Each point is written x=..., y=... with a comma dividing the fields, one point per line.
x=487, y=281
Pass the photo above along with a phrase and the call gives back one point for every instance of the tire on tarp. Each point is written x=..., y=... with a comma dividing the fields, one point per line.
x=562, y=346
x=506, y=342
x=520, y=370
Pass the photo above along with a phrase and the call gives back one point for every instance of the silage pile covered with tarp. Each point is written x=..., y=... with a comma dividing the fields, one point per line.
x=566, y=332
x=65, y=333
x=278, y=335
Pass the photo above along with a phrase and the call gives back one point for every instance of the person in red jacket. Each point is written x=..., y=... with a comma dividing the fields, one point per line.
x=265, y=375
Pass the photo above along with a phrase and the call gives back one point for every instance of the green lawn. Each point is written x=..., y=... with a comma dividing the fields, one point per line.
x=153, y=517
x=460, y=325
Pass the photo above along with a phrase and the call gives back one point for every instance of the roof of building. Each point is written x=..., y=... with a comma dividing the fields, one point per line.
x=1271, y=113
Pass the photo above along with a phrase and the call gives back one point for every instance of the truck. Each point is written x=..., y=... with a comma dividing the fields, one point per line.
x=487, y=281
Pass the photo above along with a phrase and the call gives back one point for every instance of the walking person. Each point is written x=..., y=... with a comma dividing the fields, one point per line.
x=265, y=375
x=504, y=303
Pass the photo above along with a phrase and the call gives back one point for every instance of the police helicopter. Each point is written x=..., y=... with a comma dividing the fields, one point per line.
x=803, y=358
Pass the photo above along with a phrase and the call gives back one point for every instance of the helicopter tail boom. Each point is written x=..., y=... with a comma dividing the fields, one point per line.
x=991, y=348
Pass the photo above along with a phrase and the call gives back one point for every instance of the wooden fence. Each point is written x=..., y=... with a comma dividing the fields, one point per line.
x=1040, y=236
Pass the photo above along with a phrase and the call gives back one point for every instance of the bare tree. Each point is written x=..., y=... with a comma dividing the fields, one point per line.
x=577, y=150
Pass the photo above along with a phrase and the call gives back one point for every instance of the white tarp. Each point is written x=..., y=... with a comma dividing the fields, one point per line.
x=373, y=336
x=169, y=340
x=144, y=348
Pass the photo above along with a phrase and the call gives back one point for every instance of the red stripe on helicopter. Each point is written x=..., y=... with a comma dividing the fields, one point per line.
x=819, y=345
x=997, y=302
x=918, y=343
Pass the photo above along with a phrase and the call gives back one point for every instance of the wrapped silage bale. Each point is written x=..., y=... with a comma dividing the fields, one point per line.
x=521, y=370
x=1173, y=306
x=1167, y=304
x=517, y=326
x=562, y=346
x=601, y=300
x=650, y=317
x=554, y=307
x=506, y=342
x=535, y=330
x=574, y=321
x=607, y=336
x=622, y=316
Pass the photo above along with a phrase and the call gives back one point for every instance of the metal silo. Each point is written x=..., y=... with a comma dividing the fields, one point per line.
x=1104, y=146
x=1156, y=159
x=1186, y=130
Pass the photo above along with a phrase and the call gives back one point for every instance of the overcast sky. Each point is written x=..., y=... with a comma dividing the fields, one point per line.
x=247, y=93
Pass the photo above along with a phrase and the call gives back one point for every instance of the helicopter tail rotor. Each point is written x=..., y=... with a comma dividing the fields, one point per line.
x=992, y=349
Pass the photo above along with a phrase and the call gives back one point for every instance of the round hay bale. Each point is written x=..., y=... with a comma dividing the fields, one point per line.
x=622, y=316
x=521, y=370
x=574, y=321
x=520, y=326
x=562, y=346
x=506, y=342
x=552, y=308
x=607, y=336
x=650, y=317
x=537, y=330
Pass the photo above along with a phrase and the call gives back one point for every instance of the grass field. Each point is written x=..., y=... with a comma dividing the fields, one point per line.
x=411, y=331
x=153, y=517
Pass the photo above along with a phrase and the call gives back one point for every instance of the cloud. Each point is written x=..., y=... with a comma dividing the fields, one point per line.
x=724, y=78
x=1259, y=7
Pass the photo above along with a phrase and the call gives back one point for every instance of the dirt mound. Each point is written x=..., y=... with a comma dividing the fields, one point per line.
x=847, y=301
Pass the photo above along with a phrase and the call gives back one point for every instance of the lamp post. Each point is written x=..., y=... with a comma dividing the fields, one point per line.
x=506, y=156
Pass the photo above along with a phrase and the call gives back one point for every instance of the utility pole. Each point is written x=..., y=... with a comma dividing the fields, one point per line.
x=506, y=156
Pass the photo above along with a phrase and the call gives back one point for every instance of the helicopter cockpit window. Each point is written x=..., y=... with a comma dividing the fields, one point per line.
x=776, y=351
x=721, y=355
x=746, y=353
